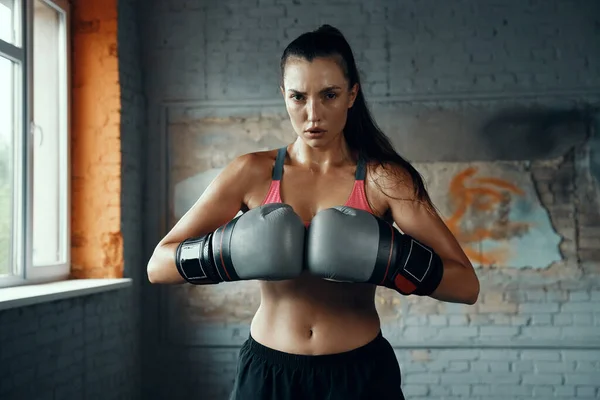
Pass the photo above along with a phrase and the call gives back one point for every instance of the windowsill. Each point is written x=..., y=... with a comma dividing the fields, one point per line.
x=20, y=296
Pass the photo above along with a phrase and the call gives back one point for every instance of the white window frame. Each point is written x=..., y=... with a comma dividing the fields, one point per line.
x=22, y=254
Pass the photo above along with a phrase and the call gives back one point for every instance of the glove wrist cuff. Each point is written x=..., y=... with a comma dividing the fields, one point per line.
x=419, y=269
x=194, y=261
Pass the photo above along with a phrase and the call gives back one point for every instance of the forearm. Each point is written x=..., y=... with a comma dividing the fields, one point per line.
x=459, y=284
x=161, y=266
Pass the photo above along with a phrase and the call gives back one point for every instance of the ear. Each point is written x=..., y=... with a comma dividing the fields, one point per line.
x=353, y=94
x=282, y=90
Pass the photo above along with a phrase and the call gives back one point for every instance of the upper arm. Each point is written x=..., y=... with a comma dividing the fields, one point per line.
x=219, y=203
x=417, y=218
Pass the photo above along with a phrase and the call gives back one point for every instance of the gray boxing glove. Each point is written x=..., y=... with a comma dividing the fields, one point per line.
x=265, y=243
x=351, y=245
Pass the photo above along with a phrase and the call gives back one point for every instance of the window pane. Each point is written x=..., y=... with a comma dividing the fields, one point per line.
x=49, y=141
x=10, y=17
x=7, y=131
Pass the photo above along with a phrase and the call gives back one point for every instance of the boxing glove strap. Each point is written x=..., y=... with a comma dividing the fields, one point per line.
x=194, y=262
x=419, y=269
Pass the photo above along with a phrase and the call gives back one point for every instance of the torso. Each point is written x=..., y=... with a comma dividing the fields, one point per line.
x=310, y=315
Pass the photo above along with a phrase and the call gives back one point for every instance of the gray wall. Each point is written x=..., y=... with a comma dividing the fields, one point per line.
x=498, y=85
x=89, y=347
x=81, y=348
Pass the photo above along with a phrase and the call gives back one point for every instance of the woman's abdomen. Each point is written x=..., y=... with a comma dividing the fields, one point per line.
x=313, y=316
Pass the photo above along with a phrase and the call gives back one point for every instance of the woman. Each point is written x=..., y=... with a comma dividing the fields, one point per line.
x=313, y=337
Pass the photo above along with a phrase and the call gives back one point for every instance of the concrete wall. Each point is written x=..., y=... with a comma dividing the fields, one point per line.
x=89, y=347
x=491, y=100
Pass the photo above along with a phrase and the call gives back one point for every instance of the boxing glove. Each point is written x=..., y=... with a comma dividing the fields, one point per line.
x=265, y=243
x=351, y=245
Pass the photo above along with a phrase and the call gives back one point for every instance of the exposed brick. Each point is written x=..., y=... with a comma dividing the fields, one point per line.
x=579, y=332
x=541, y=355
x=438, y=320
x=459, y=378
x=460, y=366
x=499, y=355
x=579, y=307
x=536, y=296
x=545, y=379
x=586, y=391
x=541, y=319
x=553, y=366
x=562, y=319
x=458, y=354
x=439, y=390
x=460, y=390
x=579, y=296
x=521, y=366
x=415, y=390
x=543, y=391
x=590, y=379
x=425, y=378
x=502, y=331
x=539, y=308
x=539, y=332
x=461, y=332
x=580, y=355
x=588, y=366
x=458, y=320
x=564, y=391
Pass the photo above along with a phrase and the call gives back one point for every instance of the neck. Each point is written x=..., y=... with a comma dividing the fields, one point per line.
x=331, y=155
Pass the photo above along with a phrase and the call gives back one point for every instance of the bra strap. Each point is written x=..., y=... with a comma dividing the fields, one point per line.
x=279, y=161
x=361, y=169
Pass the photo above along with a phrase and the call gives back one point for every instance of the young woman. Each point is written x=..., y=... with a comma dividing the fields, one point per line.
x=317, y=233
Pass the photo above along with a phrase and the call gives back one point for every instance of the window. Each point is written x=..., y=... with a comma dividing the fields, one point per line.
x=34, y=141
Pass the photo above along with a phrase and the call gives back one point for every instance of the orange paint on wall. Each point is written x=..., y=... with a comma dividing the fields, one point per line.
x=97, y=243
x=478, y=196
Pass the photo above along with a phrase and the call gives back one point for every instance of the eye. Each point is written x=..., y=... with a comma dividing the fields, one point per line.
x=331, y=95
x=296, y=96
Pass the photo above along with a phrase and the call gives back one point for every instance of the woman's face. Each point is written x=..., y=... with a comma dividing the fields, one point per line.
x=317, y=99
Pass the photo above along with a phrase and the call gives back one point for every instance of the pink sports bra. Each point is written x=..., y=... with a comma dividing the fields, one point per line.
x=357, y=199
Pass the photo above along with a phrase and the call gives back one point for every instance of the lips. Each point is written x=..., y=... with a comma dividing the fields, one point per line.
x=315, y=131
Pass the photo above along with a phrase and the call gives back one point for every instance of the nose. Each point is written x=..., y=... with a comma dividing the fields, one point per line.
x=314, y=110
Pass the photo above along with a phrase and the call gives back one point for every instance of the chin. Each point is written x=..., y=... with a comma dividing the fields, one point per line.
x=316, y=142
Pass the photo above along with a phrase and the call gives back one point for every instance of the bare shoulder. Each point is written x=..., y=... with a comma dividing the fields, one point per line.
x=253, y=172
x=253, y=167
x=391, y=180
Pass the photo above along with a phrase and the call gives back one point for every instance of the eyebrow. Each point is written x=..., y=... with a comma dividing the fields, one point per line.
x=327, y=89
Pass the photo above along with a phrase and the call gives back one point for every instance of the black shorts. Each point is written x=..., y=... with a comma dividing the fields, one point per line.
x=369, y=372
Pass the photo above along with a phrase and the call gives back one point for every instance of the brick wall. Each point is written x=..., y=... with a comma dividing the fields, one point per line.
x=89, y=347
x=96, y=243
x=81, y=348
x=230, y=49
x=455, y=84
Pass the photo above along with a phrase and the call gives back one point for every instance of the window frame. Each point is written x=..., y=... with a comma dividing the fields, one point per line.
x=23, y=270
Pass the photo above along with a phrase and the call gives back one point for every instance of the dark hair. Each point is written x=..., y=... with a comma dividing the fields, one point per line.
x=361, y=131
